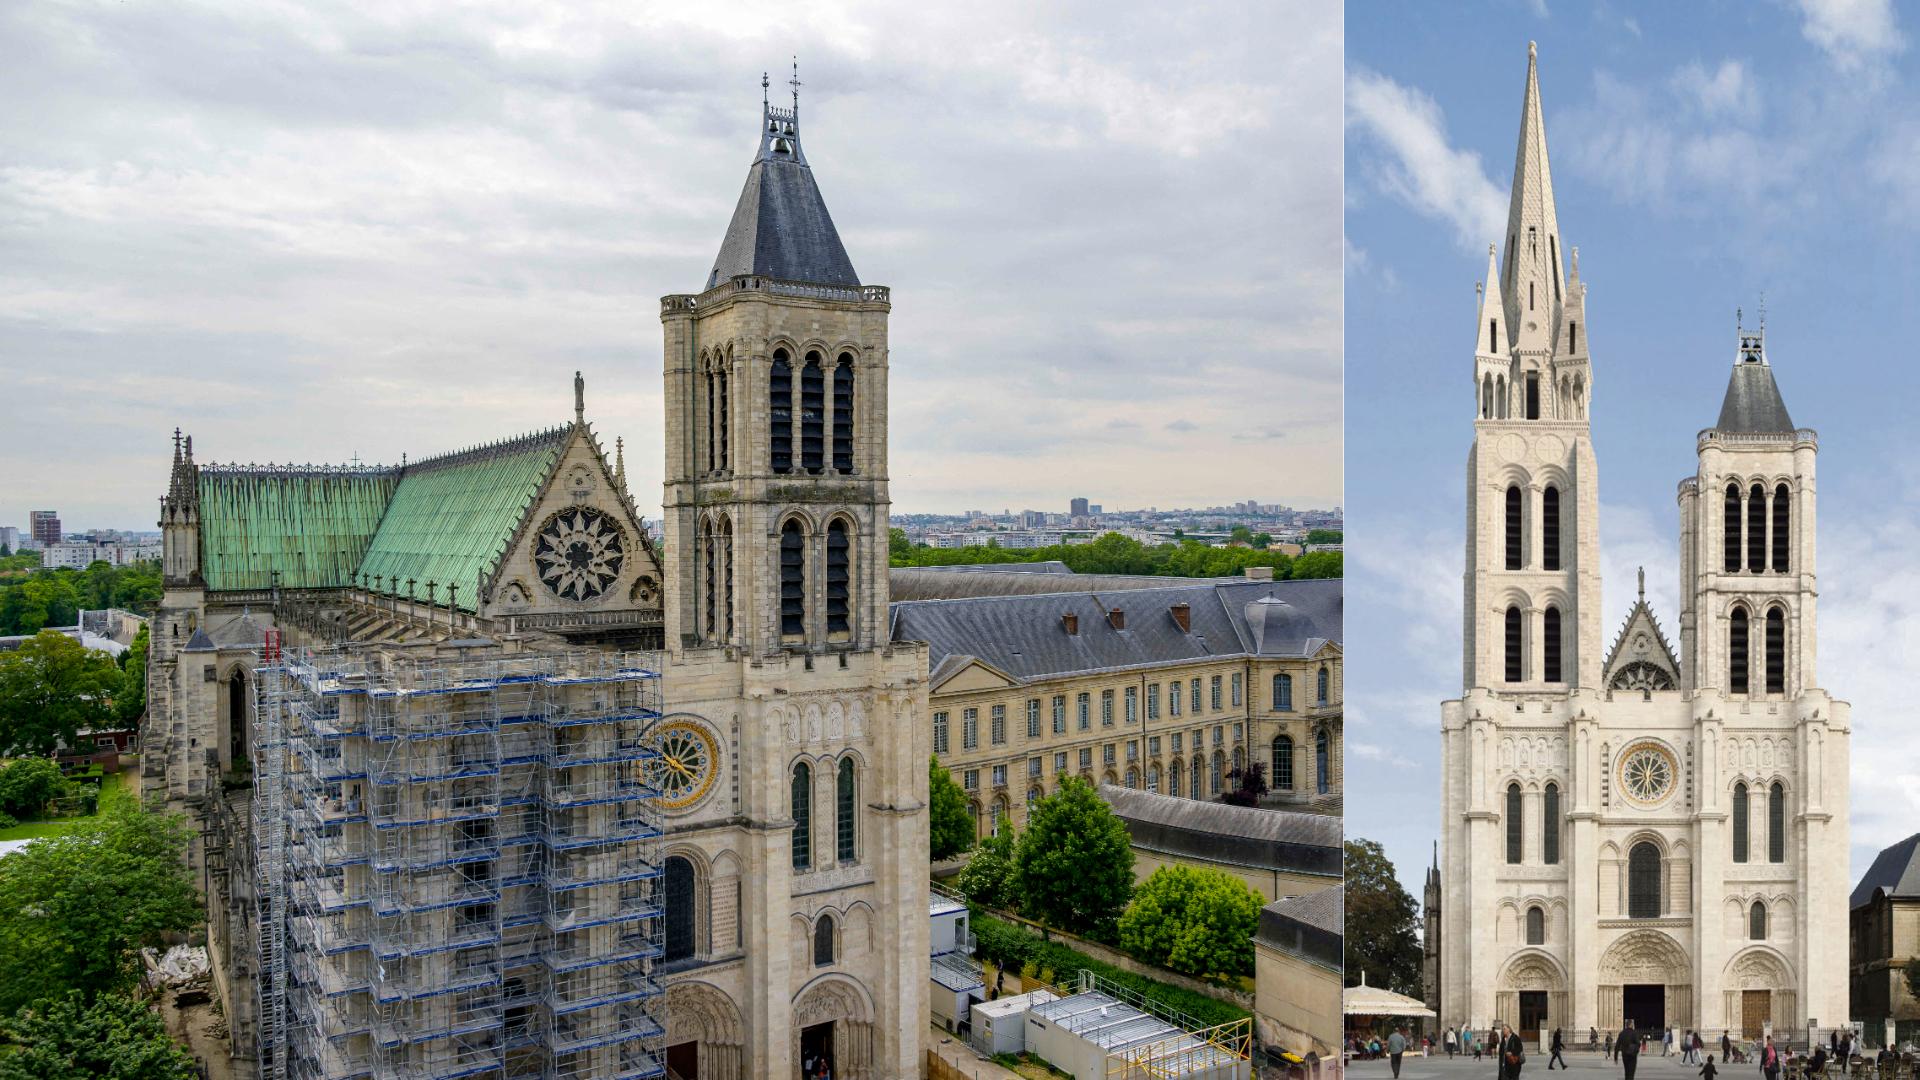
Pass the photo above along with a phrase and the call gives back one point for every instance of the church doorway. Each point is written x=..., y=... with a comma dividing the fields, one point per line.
x=1644, y=1005
x=1756, y=1008
x=816, y=1051
x=683, y=1061
x=1533, y=1014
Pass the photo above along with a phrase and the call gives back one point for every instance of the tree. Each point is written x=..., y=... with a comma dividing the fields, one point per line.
x=1252, y=784
x=1195, y=921
x=949, y=829
x=1240, y=534
x=75, y=907
x=64, y=1038
x=1912, y=973
x=899, y=548
x=1323, y=536
x=131, y=704
x=987, y=879
x=28, y=784
x=1262, y=540
x=1381, y=919
x=52, y=687
x=1317, y=564
x=1073, y=866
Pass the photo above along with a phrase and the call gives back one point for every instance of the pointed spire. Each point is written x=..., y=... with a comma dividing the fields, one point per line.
x=1753, y=404
x=780, y=227
x=1495, y=334
x=620, y=460
x=1534, y=282
x=176, y=446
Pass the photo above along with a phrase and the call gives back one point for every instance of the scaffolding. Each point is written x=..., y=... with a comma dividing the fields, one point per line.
x=460, y=868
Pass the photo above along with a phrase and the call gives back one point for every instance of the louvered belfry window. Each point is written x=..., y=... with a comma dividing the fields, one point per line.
x=780, y=413
x=813, y=414
x=1776, y=650
x=839, y=578
x=1782, y=523
x=843, y=414
x=1550, y=528
x=1515, y=526
x=1731, y=521
x=1550, y=652
x=1516, y=627
x=1757, y=529
x=1737, y=650
x=793, y=577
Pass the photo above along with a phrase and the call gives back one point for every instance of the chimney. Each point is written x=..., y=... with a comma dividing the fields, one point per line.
x=1071, y=622
x=1259, y=573
x=1183, y=614
x=1118, y=618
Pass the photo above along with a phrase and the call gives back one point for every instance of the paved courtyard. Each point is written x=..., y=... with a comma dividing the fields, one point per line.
x=1652, y=1067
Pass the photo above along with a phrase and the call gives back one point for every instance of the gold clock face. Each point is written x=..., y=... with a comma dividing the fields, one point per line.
x=1646, y=773
x=688, y=763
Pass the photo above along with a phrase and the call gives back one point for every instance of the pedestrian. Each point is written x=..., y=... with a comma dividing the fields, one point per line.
x=1593, y=1037
x=1666, y=1042
x=1707, y=1070
x=1770, y=1061
x=1628, y=1051
x=1513, y=1052
x=1726, y=1046
x=1558, y=1046
x=1396, y=1045
x=1698, y=1045
x=1452, y=1043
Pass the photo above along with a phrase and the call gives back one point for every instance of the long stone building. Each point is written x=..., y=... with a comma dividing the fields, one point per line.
x=764, y=839
x=1630, y=832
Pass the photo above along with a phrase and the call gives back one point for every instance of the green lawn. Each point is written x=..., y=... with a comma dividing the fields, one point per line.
x=33, y=830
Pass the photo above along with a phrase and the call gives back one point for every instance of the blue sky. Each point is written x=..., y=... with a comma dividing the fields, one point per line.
x=1702, y=154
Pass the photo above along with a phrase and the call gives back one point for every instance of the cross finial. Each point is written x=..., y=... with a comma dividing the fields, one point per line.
x=764, y=103
x=795, y=83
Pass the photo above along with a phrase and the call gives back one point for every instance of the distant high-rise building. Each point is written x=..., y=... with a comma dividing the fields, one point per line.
x=1078, y=508
x=10, y=538
x=1094, y=508
x=45, y=525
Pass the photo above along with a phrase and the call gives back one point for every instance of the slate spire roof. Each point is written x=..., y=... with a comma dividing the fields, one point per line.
x=1753, y=403
x=781, y=228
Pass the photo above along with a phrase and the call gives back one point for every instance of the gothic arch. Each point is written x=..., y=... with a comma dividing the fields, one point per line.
x=1532, y=969
x=1645, y=956
x=808, y=527
x=702, y=894
x=703, y=1014
x=837, y=998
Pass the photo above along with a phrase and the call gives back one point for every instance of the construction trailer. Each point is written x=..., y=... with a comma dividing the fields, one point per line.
x=999, y=1026
x=458, y=866
x=1105, y=1032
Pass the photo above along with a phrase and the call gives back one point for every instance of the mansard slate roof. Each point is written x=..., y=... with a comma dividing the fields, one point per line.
x=781, y=228
x=1897, y=870
x=310, y=524
x=453, y=516
x=1026, y=637
x=955, y=582
x=1753, y=403
x=446, y=519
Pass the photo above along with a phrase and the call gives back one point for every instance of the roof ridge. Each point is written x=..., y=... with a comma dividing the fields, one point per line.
x=511, y=444
x=1189, y=583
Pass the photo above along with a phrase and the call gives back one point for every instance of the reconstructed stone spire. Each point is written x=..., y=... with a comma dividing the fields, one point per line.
x=1534, y=279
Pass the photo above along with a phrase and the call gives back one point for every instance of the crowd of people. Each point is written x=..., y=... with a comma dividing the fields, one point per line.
x=1509, y=1052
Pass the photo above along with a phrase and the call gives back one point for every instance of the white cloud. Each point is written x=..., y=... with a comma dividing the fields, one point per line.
x=1728, y=91
x=1420, y=166
x=1855, y=34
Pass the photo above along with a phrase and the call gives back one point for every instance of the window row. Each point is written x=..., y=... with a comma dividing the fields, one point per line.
x=1280, y=776
x=845, y=807
x=1517, y=531
x=1283, y=689
x=1550, y=824
x=807, y=419
x=1759, y=547
x=1776, y=823
x=1773, y=655
x=1552, y=646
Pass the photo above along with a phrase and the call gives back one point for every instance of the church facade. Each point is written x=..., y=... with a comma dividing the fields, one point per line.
x=787, y=768
x=1630, y=831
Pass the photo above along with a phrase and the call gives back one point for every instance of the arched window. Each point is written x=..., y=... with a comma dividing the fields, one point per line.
x=843, y=414
x=1776, y=650
x=1283, y=762
x=1323, y=762
x=1516, y=825
x=1550, y=528
x=813, y=414
x=1516, y=526
x=839, y=579
x=1153, y=778
x=1742, y=822
x=823, y=941
x=710, y=391
x=1486, y=383
x=1643, y=881
x=1516, y=631
x=1219, y=767
x=1321, y=686
x=726, y=578
x=780, y=413
x=802, y=816
x=1550, y=647
x=1283, y=693
x=1133, y=777
x=1757, y=921
x=1737, y=651
x=1777, y=823
x=1533, y=377
x=1536, y=925
x=237, y=718
x=1756, y=528
x=710, y=623
x=1199, y=768
x=1175, y=772
x=722, y=422
x=844, y=805
x=1782, y=527
x=1500, y=397
x=793, y=581
x=677, y=884
x=1550, y=826
x=1731, y=523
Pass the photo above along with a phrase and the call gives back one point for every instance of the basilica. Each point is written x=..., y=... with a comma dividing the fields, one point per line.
x=487, y=866
x=1636, y=829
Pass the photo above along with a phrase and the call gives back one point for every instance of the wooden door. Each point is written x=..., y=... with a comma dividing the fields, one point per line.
x=1756, y=1008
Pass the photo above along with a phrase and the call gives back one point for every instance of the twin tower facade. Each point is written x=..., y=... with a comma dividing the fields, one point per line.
x=1632, y=833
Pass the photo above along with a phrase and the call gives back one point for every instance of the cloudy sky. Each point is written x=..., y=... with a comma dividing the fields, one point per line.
x=1702, y=155
x=311, y=231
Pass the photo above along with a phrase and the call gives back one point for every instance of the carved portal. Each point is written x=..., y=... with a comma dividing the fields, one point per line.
x=700, y=1013
x=840, y=1001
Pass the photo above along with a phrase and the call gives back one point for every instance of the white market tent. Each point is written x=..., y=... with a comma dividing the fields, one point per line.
x=1364, y=1000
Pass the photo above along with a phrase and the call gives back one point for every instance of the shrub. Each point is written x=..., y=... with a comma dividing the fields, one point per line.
x=1194, y=921
x=1017, y=948
x=28, y=784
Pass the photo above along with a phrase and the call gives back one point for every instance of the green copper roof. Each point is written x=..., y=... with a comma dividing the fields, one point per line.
x=451, y=517
x=311, y=525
